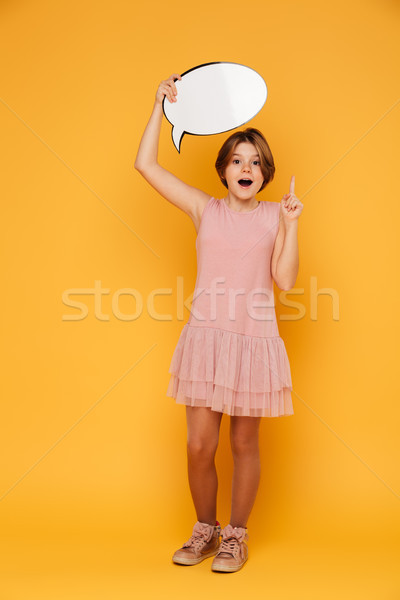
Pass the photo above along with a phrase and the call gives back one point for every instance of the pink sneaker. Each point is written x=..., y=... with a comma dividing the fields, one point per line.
x=233, y=551
x=203, y=543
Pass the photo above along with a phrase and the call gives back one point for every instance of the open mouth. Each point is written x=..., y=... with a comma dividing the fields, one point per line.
x=245, y=183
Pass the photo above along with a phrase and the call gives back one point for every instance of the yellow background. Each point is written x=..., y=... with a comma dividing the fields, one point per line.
x=94, y=492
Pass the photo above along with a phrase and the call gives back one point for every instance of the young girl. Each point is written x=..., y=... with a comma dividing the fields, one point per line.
x=229, y=357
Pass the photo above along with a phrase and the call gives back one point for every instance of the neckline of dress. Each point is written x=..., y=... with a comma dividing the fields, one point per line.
x=241, y=212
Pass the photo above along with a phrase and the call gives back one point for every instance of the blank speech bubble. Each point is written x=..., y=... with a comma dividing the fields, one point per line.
x=213, y=98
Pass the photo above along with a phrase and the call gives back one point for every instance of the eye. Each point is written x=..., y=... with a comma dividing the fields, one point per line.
x=235, y=160
x=256, y=162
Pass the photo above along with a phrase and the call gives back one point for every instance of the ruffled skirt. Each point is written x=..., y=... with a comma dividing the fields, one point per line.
x=231, y=373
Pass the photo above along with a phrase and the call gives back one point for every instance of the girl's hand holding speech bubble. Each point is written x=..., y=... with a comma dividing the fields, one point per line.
x=291, y=206
x=168, y=88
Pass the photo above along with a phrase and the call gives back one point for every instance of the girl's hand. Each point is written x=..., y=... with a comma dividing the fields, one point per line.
x=167, y=88
x=291, y=206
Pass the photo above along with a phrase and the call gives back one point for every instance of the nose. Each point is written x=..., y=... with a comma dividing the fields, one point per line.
x=246, y=167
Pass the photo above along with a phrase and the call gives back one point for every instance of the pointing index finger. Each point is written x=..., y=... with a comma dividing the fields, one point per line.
x=291, y=189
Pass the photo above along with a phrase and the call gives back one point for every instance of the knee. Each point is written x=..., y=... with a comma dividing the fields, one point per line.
x=243, y=445
x=201, y=450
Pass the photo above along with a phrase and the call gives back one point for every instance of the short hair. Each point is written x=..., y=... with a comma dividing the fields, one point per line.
x=255, y=137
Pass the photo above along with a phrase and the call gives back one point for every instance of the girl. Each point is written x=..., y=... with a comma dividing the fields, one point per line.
x=229, y=357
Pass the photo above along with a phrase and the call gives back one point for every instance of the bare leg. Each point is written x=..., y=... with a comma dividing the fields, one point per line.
x=203, y=426
x=246, y=474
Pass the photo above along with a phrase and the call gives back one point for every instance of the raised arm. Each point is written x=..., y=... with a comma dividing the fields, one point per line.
x=189, y=199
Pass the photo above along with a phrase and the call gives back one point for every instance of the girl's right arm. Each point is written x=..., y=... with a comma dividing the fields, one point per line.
x=189, y=199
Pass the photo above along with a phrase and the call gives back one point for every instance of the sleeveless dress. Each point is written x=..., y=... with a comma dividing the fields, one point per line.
x=230, y=356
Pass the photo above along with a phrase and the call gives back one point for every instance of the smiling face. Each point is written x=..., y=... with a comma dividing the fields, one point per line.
x=243, y=172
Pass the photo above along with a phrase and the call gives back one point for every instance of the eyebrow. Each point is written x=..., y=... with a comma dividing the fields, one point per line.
x=236, y=154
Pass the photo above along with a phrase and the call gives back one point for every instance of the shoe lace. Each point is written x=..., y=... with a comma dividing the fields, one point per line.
x=201, y=535
x=232, y=541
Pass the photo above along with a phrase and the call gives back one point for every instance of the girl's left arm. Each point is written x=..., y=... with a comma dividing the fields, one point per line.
x=285, y=265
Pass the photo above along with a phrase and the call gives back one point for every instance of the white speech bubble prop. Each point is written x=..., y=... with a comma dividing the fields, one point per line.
x=213, y=98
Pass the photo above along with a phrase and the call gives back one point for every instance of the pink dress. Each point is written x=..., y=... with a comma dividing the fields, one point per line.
x=229, y=355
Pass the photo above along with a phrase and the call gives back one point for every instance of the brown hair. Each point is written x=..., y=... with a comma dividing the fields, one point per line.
x=255, y=137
